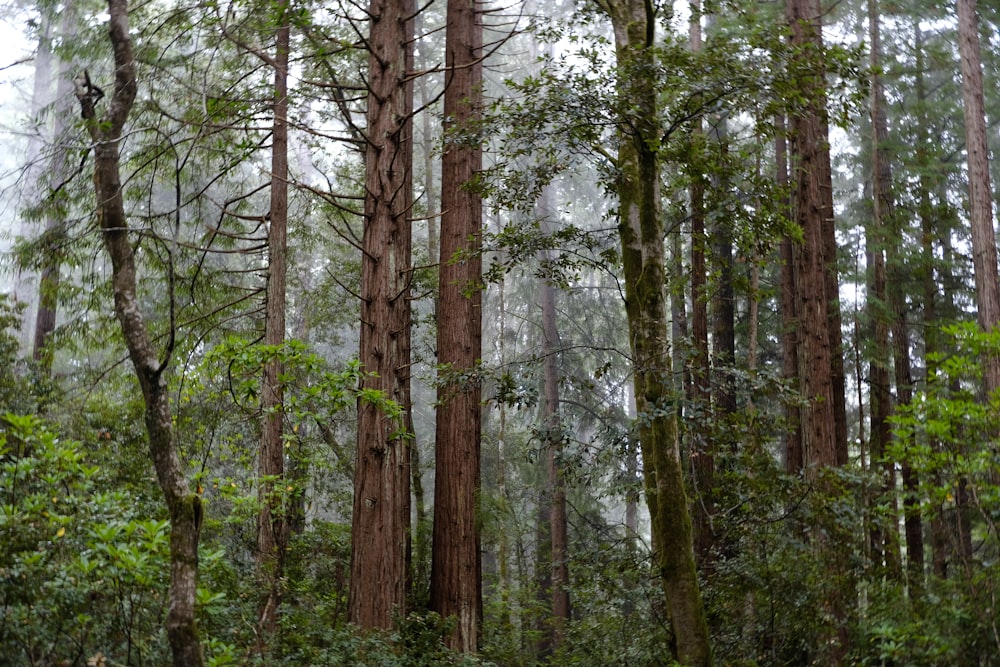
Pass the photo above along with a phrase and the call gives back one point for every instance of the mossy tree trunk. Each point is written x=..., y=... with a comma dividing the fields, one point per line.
x=184, y=507
x=642, y=233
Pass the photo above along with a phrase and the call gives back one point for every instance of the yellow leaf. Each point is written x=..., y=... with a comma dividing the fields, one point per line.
x=288, y=488
x=60, y=532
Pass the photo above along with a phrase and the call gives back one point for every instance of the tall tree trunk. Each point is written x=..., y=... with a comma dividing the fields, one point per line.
x=885, y=543
x=381, y=524
x=984, y=248
x=456, y=568
x=641, y=230
x=926, y=212
x=552, y=428
x=272, y=522
x=812, y=210
x=700, y=449
x=824, y=436
x=184, y=506
x=794, y=460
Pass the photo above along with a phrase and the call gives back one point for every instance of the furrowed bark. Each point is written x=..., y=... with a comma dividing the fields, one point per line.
x=380, y=550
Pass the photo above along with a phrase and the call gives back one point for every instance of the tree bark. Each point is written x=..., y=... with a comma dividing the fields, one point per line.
x=272, y=522
x=700, y=449
x=381, y=525
x=984, y=248
x=552, y=428
x=641, y=231
x=456, y=568
x=820, y=360
x=794, y=461
x=880, y=237
x=185, y=509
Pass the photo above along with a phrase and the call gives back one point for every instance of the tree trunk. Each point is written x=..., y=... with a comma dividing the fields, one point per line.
x=926, y=212
x=552, y=428
x=185, y=509
x=824, y=426
x=381, y=524
x=641, y=230
x=885, y=543
x=700, y=449
x=794, y=461
x=456, y=569
x=272, y=522
x=984, y=248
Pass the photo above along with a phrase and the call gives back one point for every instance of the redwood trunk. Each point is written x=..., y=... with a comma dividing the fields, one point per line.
x=272, y=523
x=456, y=568
x=984, y=248
x=381, y=525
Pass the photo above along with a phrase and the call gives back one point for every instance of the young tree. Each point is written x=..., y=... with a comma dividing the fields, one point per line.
x=184, y=506
x=456, y=567
x=641, y=232
x=381, y=520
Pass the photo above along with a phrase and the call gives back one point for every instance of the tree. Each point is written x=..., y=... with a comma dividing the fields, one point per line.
x=553, y=438
x=984, y=248
x=380, y=548
x=641, y=232
x=184, y=506
x=272, y=525
x=456, y=567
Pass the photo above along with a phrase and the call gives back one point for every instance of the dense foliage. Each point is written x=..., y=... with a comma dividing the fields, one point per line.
x=790, y=561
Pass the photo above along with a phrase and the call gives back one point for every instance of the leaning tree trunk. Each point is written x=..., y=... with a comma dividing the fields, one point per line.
x=380, y=548
x=642, y=233
x=456, y=564
x=184, y=506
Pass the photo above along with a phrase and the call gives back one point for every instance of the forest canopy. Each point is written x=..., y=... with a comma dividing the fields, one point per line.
x=460, y=332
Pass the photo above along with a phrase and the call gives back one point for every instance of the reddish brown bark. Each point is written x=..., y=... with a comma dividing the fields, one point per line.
x=456, y=581
x=794, y=461
x=381, y=525
x=984, y=248
x=272, y=522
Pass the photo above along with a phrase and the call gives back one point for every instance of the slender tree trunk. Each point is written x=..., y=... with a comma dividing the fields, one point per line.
x=880, y=237
x=184, y=506
x=272, y=523
x=381, y=524
x=794, y=461
x=555, y=481
x=456, y=569
x=984, y=248
x=642, y=235
x=700, y=449
x=926, y=212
